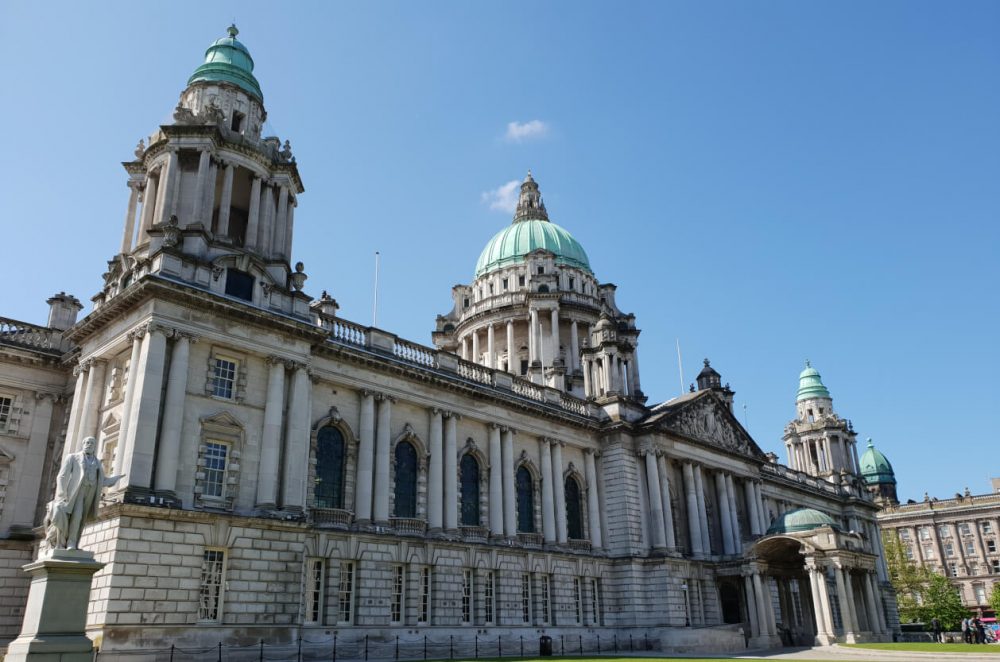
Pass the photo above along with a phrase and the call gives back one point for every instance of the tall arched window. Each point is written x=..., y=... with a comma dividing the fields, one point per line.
x=525, y=501
x=574, y=509
x=470, y=490
x=329, y=491
x=406, y=480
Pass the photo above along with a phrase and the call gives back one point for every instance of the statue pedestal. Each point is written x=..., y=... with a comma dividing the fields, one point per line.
x=55, y=617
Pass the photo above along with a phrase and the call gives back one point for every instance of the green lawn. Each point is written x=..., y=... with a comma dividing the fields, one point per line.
x=932, y=648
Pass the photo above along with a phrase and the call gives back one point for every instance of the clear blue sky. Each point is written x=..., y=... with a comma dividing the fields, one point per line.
x=766, y=182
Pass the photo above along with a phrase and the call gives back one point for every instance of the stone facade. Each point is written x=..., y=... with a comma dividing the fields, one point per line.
x=287, y=469
x=955, y=537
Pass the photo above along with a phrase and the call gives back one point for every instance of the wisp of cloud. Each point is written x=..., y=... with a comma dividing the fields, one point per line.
x=503, y=197
x=521, y=131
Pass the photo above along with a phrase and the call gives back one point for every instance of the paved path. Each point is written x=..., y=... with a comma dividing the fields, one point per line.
x=846, y=654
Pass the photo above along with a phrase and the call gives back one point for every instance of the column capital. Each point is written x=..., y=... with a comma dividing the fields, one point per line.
x=451, y=414
x=436, y=411
x=274, y=359
x=158, y=327
x=493, y=425
x=39, y=396
x=385, y=397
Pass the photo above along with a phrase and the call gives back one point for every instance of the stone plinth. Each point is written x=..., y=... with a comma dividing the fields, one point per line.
x=56, y=614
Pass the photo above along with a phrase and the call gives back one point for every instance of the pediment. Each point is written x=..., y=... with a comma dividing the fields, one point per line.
x=706, y=418
x=222, y=419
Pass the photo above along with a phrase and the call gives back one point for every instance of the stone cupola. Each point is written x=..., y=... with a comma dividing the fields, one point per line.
x=529, y=204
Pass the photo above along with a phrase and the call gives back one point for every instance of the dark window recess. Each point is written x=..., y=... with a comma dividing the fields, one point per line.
x=520, y=281
x=525, y=501
x=237, y=124
x=470, y=490
x=239, y=284
x=541, y=270
x=572, y=283
x=238, y=225
x=465, y=302
x=329, y=492
x=524, y=366
x=406, y=480
x=542, y=289
x=505, y=283
x=574, y=510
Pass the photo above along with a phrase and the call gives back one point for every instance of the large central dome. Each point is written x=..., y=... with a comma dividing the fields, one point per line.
x=530, y=231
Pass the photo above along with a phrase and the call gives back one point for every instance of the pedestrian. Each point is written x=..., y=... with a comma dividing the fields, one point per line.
x=936, y=629
x=980, y=631
x=966, y=631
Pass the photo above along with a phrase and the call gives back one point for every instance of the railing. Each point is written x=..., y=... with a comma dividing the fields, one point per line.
x=581, y=545
x=413, y=352
x=28, y=335
x=406, y=525
x=530, y=539
x=475, y=372
x=941, y=504
x=575, y=405
x=348, y=332
x=332, y=516
x=528, y=389
x=474, y=532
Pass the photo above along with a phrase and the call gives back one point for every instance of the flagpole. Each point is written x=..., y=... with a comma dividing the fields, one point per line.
x=375, y=302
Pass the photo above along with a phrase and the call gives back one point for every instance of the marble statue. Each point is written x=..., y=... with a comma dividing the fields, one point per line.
x=78, y=495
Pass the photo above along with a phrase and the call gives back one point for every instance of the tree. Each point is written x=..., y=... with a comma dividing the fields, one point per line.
x=995, y=598
x=921, y=593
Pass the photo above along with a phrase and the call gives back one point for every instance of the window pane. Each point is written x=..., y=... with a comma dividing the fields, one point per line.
x=329, y=491
x=223, y=378
x=406, y=480
x=525, y=501
x=215, y=469
x=470, y=490
x=574, y=519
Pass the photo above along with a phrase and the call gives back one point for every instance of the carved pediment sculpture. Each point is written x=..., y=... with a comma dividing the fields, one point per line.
x=709, y=420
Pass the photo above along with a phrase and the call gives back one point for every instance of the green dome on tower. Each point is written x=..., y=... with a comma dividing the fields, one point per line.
x=228, y=61
x=803, y=519
x=530, y=231
x=810, y=385
x=875, y=467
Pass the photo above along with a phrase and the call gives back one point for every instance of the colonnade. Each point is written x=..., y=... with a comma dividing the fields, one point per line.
x=270, y=214
x=544, y=342
x=610, y=373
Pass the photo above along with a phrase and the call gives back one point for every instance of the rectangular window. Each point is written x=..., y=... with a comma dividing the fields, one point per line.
x=944, y=531
x=520, y=281
x=980, y=592
x=345, y=596
x=991, y=546
x=396, y=609
x=949, y=549
x=315, y=577
x=465, y=302
x=995, y=565
x=928, y=552
x=425, y=596
x=578, y=600
x=546, y=609
x=964, y=529
x=489, y=599
x=210, y=593
x=572, y=283
x=466, y=597
x=953, y=569
x=595, y=601
x=526, y=598
x=504, y=283
x=216, y=455
x=908, y=551
x=904, y=534
x=925, y=533
x=6, y=404
x=223, y=378
x=987, y=527
x=541, y=270
x=970, y=548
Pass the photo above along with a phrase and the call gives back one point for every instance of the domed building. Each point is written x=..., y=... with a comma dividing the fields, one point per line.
x=292, y=476
x=878, y=475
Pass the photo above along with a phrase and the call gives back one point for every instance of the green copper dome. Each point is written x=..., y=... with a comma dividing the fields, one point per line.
x=229, y=61
x=810, y=385
x=875, y=467
x=803, y=519
x=530, y=231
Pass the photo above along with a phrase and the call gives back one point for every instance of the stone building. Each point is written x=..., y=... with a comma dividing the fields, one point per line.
x=288, y=471
x=955, y=537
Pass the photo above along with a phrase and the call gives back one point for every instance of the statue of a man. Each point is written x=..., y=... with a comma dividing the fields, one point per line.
x=78, y=495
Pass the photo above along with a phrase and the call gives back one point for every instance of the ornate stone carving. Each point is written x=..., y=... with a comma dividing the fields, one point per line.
x=171, y=232
x=140, y=149
x=183, y=115
x=707, y=421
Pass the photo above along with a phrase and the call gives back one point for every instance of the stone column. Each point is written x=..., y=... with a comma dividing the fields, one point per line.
x=588, y=387
x=694, y=528
x=817, y=604
x=496, y=481
x=136, y=339
x=92, y=401
x=751, y=603
x=752, y=514
x=435, y=485
x=511, y=352
x=270, y=440
x=767, y=626
x=633, y=367
x=204, y=157
x=465, y=348
x=140, y=442
x=574, y=347
x=668, y=509
x=129, y=231
x=491, y=347
x=266, y=243
x=253, y=214
x=366, y=459
x=877, y=600
x=289, y=225
x=226, y=199
x=734, y=515
x=765, y=521
x=593, y=501
x=296, y=466
x=168, y=454
x=148, y=208
x=170, y=186
x=555, y=335
x=873, y=625
x=476, y=357
x=725, y=521
x=29, y=474
x=382, y=443
x=451, y=472
x=281, y=223
x=846, y=608
x=509, y=502
x=702, y=512
x=560, y=491
x=655, y=499
x=532, y=347
x=541, y=351
x=548, y=494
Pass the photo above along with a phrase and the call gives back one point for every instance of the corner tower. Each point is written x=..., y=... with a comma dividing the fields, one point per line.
x=818, y=441
x=212, y=202
x=536, y=310
x=879, y=477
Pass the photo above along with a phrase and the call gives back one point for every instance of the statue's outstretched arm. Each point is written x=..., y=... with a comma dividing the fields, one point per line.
x=111, y=480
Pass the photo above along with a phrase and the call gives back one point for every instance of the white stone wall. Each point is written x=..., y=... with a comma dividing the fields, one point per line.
x=13, y=586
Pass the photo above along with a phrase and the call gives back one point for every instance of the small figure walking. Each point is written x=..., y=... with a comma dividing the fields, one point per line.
x=936, y=629
x=966, y=631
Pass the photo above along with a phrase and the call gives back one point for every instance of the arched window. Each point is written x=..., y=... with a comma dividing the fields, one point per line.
x=470, y=490
x=330, y=456
x=406, y=480
x=574, y=509
x=525, y=501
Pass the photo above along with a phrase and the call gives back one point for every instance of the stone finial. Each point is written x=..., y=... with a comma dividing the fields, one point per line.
x=232, y=30
x=530, y=206
x=298, y=278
